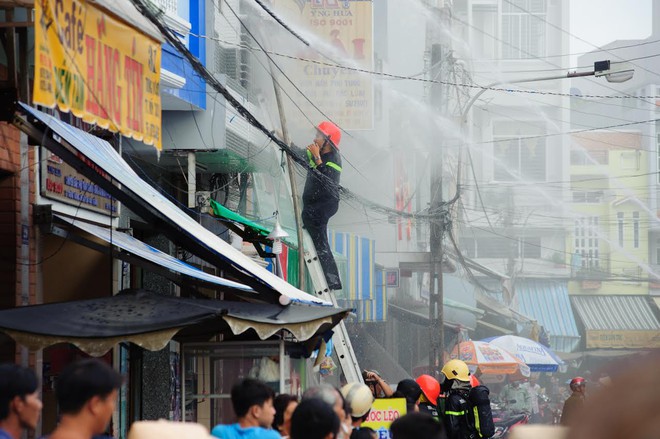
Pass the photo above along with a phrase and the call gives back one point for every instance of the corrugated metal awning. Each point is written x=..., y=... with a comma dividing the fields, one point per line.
x=548, y=303
x=148, y=253
x=617, y=321
x=657, y=301
x=97, y=160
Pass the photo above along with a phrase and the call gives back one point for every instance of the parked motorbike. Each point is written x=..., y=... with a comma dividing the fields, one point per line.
x=549, y=410
x=505, y=420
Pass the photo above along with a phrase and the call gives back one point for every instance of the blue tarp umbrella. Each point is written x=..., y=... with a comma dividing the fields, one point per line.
x=538, y=357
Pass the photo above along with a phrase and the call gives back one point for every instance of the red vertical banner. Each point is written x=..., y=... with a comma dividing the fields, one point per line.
x=284, y=261
x=402, y=197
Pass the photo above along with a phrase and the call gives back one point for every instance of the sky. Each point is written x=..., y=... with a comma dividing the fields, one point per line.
x=602, y=21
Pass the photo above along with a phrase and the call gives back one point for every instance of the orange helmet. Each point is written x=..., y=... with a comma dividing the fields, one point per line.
x=430, y=387
x=331, y=131
x=474, y=382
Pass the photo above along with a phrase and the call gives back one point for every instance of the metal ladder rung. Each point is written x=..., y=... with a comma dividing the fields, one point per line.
x=340, y=339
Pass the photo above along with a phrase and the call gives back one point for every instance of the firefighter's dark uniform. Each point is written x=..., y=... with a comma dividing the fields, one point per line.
x=320, y=203
x=427, y=407
x=572, y=408
x=456, y=415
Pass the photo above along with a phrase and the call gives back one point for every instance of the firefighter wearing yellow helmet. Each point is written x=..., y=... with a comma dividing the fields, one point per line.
x=466, y=412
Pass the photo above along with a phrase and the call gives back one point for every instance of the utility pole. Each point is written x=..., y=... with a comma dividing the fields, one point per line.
x=514, y=246
x=440, y=49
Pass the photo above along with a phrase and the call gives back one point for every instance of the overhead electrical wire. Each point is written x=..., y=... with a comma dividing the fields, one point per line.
x=268, y=71
x=435, y=81
x=517, y=239
x=532, y=56
x=476, y=182
x=617, y=146
x=583, y=130
x=561, y=29
x=566, y=55
x=280, y=22
x=150, y=13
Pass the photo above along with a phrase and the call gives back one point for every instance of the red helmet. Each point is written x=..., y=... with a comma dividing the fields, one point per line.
x=331, y=131
x=576, y=382
x=430, y=387
x=474, y=381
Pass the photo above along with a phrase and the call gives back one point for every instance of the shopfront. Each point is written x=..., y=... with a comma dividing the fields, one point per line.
x=272, y=334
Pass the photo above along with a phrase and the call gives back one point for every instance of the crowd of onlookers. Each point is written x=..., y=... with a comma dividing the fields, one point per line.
x=87, y=391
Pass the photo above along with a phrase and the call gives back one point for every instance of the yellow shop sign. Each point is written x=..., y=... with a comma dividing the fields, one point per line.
x=97, y=67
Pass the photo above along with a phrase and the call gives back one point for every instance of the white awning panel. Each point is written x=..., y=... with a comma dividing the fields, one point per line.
x=138, y=248
x=103, y=159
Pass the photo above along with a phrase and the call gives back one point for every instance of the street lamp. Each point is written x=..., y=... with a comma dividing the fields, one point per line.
x=613, y=72
x=620, y=72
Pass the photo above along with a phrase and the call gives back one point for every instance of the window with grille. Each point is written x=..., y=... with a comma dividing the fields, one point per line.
x=519, y=152
x=657, y=142
x=619, y=221
x=530, y=248
x=484, y=21
x=523, y=28
x=587, y=196
x=581, y=157
x=495, y=247
x=630, y=160
x=501, y=247
x=636, y=229
x=587, y=242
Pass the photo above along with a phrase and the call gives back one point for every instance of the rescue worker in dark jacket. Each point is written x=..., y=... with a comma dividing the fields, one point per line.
x=321, y=195
x=428, y=400
x=457, y=385
x=575, y=403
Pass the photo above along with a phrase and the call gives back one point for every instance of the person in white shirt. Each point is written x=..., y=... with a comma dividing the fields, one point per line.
x=534, y=391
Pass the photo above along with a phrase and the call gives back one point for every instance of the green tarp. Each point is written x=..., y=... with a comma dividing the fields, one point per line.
x=223, y=212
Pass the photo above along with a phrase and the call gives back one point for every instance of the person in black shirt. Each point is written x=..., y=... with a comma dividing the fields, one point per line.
x=321, y=195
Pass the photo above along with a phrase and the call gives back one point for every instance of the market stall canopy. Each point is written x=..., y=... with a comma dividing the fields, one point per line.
x=489, y=359
x=97, y=160
x=151, y=321
x=538, y=357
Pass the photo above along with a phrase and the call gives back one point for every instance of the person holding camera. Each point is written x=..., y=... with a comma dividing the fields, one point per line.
x=378, y=386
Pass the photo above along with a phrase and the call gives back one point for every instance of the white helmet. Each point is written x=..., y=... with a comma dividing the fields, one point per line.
x=359, y=398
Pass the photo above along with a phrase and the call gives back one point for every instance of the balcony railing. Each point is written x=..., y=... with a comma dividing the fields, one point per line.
x=590, y=267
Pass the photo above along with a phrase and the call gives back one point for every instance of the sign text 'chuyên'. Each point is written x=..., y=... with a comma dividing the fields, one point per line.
x=343, y=30
x=97, y=67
